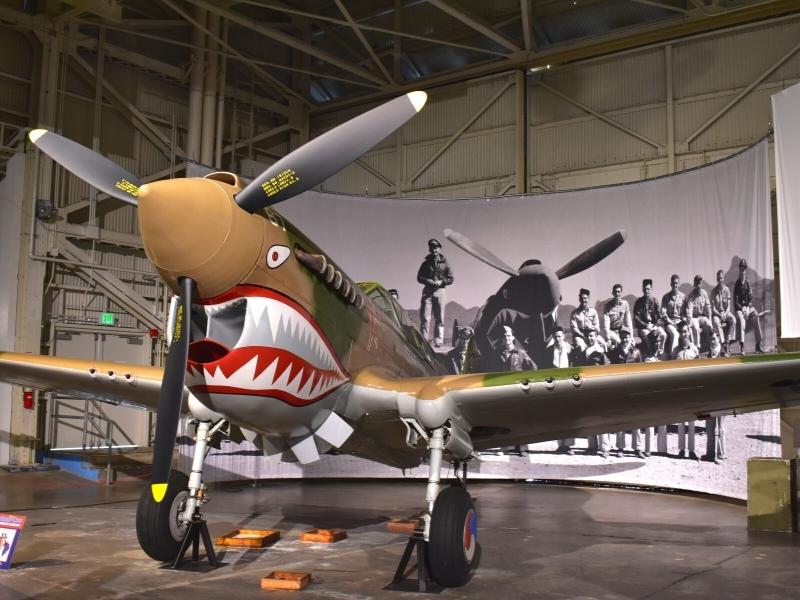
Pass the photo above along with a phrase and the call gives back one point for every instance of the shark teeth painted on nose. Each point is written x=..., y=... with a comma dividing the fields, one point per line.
x=280, y=353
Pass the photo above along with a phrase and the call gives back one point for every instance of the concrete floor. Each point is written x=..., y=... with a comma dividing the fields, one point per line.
x=536, y=542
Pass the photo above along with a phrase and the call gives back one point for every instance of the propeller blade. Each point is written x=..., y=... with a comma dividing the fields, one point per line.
x=478, y=251
x=90, y=166
x=592, y=256
x=329, y=153
x=171, y=395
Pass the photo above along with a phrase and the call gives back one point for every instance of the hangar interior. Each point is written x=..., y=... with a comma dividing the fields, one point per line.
x=524, y=96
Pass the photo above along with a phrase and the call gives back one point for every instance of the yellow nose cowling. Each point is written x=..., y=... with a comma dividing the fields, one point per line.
x=194, y=228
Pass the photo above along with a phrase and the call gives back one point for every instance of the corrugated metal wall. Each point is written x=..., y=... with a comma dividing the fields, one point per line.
x=569, y=148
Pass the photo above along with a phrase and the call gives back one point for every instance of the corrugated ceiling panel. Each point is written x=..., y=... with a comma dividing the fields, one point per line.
x=589, y=142
x=734, y=60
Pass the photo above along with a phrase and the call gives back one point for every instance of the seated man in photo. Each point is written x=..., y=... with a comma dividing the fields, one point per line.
x=745, y=312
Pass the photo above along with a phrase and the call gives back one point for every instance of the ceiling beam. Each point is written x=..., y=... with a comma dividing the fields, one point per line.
x=287, y=40
x=527, y=29
x=678, y=9
x=363, y=40
x=394, y=32
x=105, y=9
x=282, y=88
x=477, y=23
x=589, y=49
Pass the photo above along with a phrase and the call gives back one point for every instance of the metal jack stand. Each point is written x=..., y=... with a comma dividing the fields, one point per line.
x=197, y=528
x=424, y=582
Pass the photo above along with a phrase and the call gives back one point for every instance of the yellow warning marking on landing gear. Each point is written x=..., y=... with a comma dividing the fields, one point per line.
x=159, y=490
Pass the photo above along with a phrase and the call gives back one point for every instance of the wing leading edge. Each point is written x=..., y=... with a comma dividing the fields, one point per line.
x=548, y=404
x=94, y=379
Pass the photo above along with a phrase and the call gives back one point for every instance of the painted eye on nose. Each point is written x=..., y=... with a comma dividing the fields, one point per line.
x=277, y=255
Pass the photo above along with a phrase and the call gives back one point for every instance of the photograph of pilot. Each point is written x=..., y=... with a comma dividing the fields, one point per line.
x=511, y=356
x=583, y=319
x=558, y=355
x=616, y=315
x=673, y=311
x=647, y=315
x=721, y=315
x=434, y=274
x=745, y=312
x=698, y=311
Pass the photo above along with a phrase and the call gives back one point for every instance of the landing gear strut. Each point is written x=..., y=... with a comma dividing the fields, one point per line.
x=446, y=537
x=166, y=529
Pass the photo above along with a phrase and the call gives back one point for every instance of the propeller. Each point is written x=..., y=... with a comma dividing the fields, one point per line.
x=171, y=394
x=87, y=164
x=592, y=256
x=328, y=154
x=478, y=251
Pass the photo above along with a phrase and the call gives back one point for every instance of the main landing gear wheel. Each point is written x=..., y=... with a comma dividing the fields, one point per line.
x=453, y=537
x=158, y=525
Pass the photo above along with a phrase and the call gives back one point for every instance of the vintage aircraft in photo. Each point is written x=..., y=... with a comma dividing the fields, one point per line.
x=271, y=339
x=527, y=302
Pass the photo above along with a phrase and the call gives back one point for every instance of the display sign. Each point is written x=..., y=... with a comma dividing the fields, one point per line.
x=107, y=318
x=10, y=530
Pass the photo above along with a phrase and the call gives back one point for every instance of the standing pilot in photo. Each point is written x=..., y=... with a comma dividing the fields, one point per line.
x=434, y=274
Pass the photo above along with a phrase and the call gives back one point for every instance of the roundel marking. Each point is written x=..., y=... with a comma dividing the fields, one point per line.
x=277, y=255
x=470, y=535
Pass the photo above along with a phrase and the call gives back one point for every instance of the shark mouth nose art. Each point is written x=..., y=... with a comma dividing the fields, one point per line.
x=260, y=343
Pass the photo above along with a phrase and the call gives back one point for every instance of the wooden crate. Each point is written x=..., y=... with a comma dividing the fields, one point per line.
x=285, y=580
x=405, y=526
x=249, y=538
x=326, y=536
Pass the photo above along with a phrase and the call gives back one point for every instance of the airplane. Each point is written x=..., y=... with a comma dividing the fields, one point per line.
x=527, y=302
x=272, y=340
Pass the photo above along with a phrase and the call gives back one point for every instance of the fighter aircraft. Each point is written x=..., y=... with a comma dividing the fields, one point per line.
x=527, y=301
x=271, y=340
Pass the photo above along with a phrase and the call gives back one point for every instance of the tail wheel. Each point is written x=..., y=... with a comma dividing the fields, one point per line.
x=453, y=537
x=158, y=525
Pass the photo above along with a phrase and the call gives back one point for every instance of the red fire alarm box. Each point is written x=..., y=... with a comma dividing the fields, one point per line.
x=28, y=398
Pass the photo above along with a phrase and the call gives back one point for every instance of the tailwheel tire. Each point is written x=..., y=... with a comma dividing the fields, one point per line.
x=453, y=537
x=158, y=524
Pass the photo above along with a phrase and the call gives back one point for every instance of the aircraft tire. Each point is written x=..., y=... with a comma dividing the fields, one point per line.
x=157, y=526
x=452, y=549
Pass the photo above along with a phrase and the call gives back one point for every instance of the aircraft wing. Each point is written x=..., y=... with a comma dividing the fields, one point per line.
x=93, y=379
x=534, y=406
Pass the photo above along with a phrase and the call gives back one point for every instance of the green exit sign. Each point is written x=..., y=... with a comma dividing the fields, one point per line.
x=107, y=318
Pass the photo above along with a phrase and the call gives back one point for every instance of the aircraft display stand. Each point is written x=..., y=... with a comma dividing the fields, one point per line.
x=424, y=582
x=197, y=528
